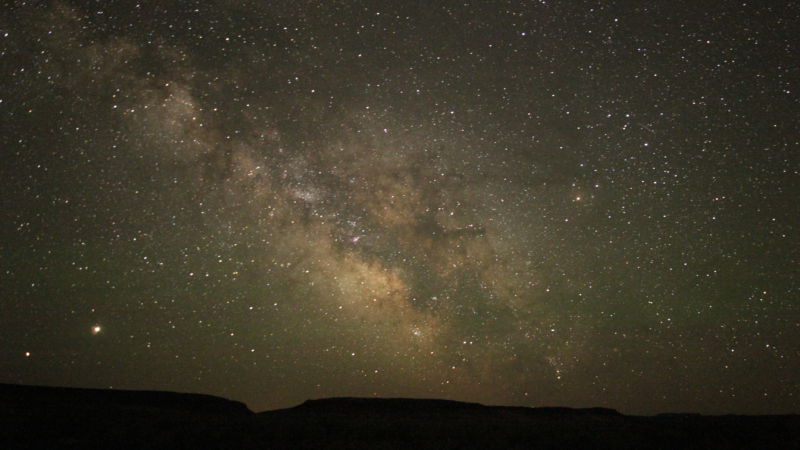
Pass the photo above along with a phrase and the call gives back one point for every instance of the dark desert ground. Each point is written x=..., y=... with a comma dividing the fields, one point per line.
x=60, y=418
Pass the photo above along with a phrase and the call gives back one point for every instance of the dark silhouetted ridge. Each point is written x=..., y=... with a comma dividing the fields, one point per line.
x=372, y=405
x=58, y=418
x=40, y=417
x=388, y=404
x=62, y=397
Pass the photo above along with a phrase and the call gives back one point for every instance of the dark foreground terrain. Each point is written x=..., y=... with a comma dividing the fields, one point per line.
x=54, y=418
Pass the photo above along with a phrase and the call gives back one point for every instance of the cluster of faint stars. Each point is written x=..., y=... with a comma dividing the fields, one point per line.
x=509, y=203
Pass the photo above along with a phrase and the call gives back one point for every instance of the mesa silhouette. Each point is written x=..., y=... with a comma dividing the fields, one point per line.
x=35, y=417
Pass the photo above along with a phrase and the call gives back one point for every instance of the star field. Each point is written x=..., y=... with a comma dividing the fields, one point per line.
x=569, y=203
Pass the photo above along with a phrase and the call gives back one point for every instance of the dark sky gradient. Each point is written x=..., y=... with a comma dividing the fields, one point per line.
x=577, y=203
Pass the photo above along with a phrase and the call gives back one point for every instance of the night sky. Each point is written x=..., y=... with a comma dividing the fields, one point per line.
x=575, y=203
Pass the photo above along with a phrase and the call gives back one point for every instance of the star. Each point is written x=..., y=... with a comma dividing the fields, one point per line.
x=509, y=186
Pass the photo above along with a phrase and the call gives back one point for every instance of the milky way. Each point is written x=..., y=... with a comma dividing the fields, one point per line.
x=530, y=203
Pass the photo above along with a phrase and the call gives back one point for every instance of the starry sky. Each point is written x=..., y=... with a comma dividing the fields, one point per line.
x=575, y=203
